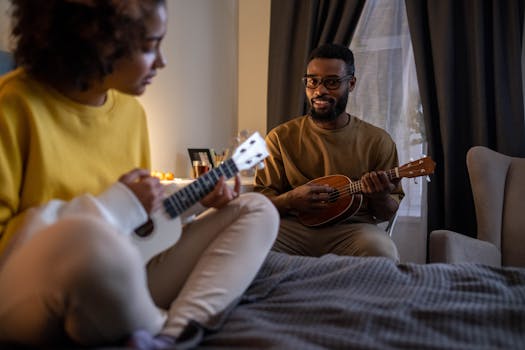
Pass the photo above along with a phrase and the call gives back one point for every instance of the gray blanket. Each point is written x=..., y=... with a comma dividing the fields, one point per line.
x=372, y=303
x=368, y=303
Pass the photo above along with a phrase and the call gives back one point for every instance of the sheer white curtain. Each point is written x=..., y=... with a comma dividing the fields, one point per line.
x=387, y=96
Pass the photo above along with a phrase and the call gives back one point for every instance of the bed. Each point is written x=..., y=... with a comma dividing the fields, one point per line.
x=337, y=302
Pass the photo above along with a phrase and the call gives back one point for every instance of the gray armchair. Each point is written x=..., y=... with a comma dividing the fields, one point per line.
x=498, y=186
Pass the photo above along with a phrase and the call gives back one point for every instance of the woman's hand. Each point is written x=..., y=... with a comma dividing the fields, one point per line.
x=146, y=188
x=222, y=193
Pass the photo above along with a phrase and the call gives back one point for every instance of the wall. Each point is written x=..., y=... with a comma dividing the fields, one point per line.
x=193, y=101
x=215, y=80
x=254, y=36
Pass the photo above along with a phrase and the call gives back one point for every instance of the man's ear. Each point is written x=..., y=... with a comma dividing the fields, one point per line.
x=351, y=84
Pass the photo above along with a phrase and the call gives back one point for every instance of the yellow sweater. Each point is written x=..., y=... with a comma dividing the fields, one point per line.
x=54, y=148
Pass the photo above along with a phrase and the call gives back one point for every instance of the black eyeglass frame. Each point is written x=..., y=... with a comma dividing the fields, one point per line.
x=337, y=80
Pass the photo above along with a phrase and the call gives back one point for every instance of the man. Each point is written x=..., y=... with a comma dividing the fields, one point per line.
x=329, y=141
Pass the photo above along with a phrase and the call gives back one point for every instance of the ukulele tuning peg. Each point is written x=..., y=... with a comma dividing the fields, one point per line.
x=427, y=178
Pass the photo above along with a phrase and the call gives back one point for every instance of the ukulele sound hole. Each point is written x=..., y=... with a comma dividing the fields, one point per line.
x=146, y=229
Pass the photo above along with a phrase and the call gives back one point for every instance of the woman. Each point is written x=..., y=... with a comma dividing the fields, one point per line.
x=74, y=156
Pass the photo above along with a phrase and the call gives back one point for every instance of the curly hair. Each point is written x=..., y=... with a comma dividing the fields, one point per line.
x=77, y=41
x=335, y=51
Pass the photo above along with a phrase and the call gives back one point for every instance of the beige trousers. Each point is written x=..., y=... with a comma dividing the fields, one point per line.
x=80, y=280
x=355, y=239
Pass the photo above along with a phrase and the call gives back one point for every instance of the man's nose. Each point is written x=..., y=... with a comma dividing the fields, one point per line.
x=320, y=90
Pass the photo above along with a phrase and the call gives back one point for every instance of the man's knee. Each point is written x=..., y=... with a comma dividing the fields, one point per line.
x=370, y=240
x=383, y=246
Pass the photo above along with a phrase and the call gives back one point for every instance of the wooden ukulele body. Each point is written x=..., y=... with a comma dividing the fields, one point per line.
x=347, y=198
x=342, y=206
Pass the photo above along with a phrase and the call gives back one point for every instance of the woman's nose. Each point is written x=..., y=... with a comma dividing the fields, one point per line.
x=160, y=60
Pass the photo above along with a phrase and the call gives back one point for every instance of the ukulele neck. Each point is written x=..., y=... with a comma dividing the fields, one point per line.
x=187, y=196
x=356, y=186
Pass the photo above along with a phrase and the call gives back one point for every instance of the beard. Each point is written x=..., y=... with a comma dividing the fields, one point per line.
x=331, y=113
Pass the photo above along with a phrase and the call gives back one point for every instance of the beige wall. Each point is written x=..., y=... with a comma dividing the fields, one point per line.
x=215, y=80
x=254, y=29
x=193, y=101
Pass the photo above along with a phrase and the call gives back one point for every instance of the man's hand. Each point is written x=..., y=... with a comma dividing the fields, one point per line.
x=146, y=188
x=308, y=197
x=376, y=185
x=222, y=193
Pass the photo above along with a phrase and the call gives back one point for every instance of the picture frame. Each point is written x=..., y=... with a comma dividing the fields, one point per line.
x=202, y=154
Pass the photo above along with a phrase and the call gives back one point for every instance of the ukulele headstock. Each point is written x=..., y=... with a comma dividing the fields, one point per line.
x=250, y=153
x=421, y=167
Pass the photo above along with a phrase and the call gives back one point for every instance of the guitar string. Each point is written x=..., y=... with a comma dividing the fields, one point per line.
x=353, y=187
x=338, y=193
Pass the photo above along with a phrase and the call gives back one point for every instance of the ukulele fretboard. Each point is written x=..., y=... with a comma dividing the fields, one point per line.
x=355, y=187
x=187, y=196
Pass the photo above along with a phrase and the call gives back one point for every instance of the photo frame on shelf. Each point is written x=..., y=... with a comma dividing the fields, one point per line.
x=202, y=154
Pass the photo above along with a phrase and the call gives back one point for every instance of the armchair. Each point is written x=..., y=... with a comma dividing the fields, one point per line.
x=498, y=187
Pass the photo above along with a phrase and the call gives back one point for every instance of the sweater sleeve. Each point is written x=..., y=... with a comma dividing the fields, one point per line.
x=271, y=180
x=14, y=145
x=118, y=206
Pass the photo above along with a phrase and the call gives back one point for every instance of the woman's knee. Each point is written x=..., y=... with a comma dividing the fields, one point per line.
x=261, y=203
x=86, y=249
x=74, y=265
x=263, y=210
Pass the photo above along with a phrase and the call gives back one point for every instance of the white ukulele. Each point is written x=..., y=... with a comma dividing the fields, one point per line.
x=164, y=227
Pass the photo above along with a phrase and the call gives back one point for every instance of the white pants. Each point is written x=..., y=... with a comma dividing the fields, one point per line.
x=80, y=280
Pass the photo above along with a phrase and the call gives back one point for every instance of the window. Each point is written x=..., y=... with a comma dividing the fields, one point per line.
x=387, y=96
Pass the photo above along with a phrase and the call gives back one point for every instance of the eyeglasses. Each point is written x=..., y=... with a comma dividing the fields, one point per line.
x=312, y=82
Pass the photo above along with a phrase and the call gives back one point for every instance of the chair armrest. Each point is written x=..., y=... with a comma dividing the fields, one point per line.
x=451, y=247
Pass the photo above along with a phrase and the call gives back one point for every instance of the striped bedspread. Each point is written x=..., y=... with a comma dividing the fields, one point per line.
x=337, y=302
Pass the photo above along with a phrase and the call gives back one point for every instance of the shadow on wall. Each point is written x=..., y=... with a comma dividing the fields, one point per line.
x=6, y=62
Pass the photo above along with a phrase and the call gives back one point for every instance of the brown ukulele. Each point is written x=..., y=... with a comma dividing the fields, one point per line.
x=345, y=201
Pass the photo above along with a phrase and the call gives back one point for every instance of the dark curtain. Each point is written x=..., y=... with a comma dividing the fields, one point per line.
x=468, y=62
x=296, y=28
